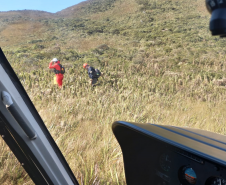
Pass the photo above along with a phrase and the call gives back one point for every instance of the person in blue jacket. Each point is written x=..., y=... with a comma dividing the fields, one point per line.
x=94, y=74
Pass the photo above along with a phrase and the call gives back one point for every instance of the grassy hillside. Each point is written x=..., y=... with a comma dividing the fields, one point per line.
x=160, y=65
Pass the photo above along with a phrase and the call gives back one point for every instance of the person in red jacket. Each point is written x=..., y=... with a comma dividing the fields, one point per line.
x=54, y=64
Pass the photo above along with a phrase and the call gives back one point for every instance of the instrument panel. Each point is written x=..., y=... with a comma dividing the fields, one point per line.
x=184, y=168
x=150, y=159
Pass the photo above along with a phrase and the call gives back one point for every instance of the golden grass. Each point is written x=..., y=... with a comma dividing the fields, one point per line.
x=121, y=9
x=164, y=88
x=26, y=13
x=79, y=118
x=91, y=42
x=16, y=33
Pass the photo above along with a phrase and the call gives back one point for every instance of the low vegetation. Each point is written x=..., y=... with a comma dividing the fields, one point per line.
x=160, y=65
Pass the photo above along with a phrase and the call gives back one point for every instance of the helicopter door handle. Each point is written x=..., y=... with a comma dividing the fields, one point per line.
x=8, y=102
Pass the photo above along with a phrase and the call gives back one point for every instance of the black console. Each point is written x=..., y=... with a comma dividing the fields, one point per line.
x=167, y=155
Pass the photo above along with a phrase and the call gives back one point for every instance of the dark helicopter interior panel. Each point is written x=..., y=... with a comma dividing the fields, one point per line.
x=150, y=161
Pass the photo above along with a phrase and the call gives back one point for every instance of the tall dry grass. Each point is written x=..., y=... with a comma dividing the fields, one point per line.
x=79, y=117
x=162, y=67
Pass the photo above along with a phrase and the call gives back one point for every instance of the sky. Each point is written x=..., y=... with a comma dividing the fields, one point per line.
x=52, y=6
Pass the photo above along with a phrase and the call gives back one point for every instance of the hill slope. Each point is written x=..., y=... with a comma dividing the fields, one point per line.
x=160, y=65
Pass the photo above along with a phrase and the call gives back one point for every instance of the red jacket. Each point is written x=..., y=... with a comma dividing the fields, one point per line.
x=55, y=66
